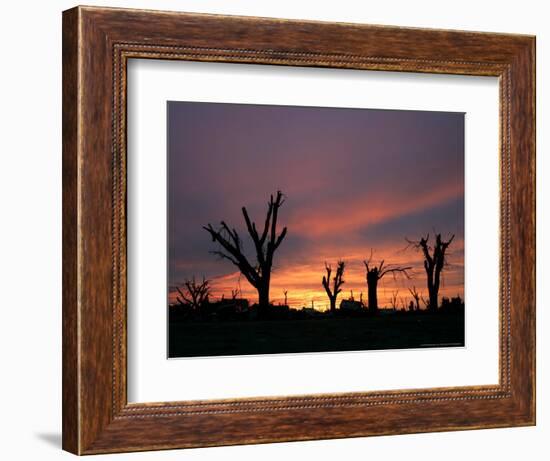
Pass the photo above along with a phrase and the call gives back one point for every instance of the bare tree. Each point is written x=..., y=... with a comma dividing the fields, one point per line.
x=376, y=273
x=337, y=282
x=258, y=274
x=416, y=297
x=196, y=293
x=285, y=292
x=434, y=263
x=393, y=301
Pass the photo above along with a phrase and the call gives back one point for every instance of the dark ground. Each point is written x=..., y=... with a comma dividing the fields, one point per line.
x=385, y=331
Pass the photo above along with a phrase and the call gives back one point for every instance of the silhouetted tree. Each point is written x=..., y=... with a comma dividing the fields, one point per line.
x=285, y=292
x=265, y=244
x=337, y=282
x=376, y=273
x=434, y=263
x=196, y=293
x=394, y=300
x=416, y=297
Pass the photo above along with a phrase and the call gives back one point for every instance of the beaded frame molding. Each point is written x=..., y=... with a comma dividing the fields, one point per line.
x=97, y=43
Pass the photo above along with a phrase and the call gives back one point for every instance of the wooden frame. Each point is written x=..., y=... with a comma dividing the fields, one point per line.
x=97, y=43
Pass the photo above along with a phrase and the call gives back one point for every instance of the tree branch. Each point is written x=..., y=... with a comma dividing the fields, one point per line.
x=394, y=270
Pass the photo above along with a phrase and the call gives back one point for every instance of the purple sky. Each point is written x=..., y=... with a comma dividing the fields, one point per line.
x=354, y=179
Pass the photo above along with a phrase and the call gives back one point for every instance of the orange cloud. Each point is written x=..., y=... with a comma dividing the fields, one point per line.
x=369, y=210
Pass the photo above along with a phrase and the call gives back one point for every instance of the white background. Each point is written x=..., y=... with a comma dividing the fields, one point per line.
x=30, y=234
x=153, y=378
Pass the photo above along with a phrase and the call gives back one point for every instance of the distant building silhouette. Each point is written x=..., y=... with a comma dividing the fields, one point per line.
x=351, y=305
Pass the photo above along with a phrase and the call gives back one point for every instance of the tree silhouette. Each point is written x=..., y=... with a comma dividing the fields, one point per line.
x=375, y=274
x=265, y=244
x=285, y=292
x=394, y=300
x=434, y=263
x=196, y=293
x=337, y=282
x=416, y=297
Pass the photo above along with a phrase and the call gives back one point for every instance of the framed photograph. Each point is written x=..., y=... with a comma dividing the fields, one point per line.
x=284, y=230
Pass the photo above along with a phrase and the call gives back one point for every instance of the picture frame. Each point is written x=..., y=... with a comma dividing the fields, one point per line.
x=97, y=44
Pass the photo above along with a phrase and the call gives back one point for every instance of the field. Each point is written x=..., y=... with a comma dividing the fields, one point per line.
x=385, y=331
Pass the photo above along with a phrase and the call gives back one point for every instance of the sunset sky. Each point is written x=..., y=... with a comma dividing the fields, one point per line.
x=354, y=179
